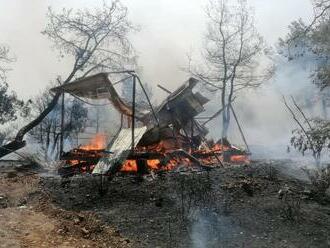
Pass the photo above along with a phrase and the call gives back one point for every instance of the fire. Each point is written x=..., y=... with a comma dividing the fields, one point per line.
x=129, y=166
x=239, y=159
x=219, y=147
x=74, y=162
x=98, y=142
x=85, y=157
x=153, y=164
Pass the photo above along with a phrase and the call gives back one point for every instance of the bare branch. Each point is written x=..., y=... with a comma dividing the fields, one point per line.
x=89, y=37
x=301, y=126
x=232, y=50
x=5, y=59
x=321, y=8
x=301, y=112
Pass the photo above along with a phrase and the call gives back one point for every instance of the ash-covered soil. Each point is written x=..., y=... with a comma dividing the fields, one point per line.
x=237, y=206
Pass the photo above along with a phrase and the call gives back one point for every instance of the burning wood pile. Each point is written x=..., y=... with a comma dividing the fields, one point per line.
x=162, y=139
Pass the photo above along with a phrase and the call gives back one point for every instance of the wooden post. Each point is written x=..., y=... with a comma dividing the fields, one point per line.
x=164, y=89
x=207, y=145
x=97, y=120
x=240, y=128
x=142, y=166
x=62, y=125
x=133, y=112
x=121, y=121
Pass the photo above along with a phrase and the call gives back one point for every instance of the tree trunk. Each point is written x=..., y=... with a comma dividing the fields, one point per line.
x=225, y=127
x=224, y=113
x=55, y=145
x=324, y=108
x=18, y=142
x=11, y=147
x=35, y=122
x=225, y=122
x=48, y=140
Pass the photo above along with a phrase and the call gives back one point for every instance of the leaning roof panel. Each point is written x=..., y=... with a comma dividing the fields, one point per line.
x=94, y=87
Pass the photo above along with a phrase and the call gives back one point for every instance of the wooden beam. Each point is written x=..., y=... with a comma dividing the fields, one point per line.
x=164, y=89
x=240, y=128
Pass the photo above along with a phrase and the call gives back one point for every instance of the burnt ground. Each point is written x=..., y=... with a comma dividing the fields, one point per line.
x=237, y=206
x=225, y=207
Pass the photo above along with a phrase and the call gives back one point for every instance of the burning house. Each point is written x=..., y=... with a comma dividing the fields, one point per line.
x=163, y=138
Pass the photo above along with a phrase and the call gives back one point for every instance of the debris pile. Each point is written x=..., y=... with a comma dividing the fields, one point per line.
x=159, y=139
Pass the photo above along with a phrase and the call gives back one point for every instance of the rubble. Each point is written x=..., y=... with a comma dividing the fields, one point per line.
x=162, y=212
x=162, y=138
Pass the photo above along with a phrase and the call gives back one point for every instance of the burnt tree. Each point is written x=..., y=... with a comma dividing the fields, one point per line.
x=97, y=40
x=9, y=103
x=232, y=50
x=48, y=132
x=11, y=107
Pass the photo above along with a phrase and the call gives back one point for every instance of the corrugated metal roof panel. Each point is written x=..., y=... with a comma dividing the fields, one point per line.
x=120, y=149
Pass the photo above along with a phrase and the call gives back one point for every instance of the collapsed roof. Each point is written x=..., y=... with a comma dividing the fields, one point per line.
x=175, y=117
x=177, y=110
x=99, y=86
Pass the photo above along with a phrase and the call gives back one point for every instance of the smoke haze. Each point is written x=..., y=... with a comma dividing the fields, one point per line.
x=170, y=30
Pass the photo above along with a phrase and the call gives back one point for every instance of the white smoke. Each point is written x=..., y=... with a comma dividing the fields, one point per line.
x=209, y=229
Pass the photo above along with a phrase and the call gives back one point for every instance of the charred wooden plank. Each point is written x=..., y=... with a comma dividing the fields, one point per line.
x=145, y=155
x=183, y=153
x=206, y=154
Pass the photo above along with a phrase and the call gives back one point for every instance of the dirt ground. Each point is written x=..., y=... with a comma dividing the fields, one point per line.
x=29, y=219
x=237, y=206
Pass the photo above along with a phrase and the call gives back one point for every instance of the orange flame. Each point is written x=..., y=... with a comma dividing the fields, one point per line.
x=239, y=159
x=129, y=166
x=98, y=142
x=208, y=156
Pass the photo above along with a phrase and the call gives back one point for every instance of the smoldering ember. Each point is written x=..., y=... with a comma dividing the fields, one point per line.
x=164, y=124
